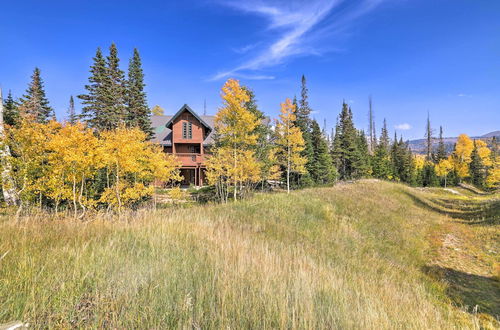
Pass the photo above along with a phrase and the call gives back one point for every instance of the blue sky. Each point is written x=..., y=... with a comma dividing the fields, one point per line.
x=412, y=56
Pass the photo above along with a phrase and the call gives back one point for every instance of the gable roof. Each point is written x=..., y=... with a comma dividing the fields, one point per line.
x=186, y=107
x=163, y=135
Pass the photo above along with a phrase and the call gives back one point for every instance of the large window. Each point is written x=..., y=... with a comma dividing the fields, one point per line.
x=187, y=130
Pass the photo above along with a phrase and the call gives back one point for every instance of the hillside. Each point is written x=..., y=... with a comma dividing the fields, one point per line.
x=418, y=145
x=365, y=255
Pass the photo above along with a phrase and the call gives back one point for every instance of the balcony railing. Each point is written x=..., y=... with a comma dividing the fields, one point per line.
x=191, y=159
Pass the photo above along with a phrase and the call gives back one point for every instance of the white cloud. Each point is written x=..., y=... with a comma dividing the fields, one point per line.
x=403, y=127
x=464, y=95
x=291, y=21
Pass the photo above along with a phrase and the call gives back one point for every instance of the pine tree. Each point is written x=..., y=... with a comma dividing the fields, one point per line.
x=345, y=151
x=381, y=160
x=11, y=111
x=303, y=121
x=322, y=170
x=441, y=151
x=364, y=163
x=72, y=117
x=114, y=91
x=476, y=168
x=138, y=114
x=94, y=107
x=34, y=104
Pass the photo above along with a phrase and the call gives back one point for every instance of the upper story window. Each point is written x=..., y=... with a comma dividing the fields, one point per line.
x=187, y=130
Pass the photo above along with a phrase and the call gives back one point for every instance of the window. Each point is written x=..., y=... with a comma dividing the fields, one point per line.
x=190, y=130
x=184, y=130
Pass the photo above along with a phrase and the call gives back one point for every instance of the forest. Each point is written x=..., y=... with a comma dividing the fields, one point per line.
x=101, y=157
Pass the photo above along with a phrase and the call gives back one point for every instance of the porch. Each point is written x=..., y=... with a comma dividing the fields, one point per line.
x=193, y=176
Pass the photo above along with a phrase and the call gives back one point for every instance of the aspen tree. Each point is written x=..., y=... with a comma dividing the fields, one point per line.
x=290, y=142
x=235, y=127
x=8, y=188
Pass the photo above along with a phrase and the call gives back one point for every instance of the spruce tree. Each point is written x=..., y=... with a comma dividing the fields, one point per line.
x=34, y=105
x=476, y=168
x=382, y=166
x=322, y=170
x=303, y=121
x=11, y=111
x=94, y=109
x=114, y=91
x=346, y=154
x=138, y=113
x=72, y=117
x=364, y=160
x=441, y=151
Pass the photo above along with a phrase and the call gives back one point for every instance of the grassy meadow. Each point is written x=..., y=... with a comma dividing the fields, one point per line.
x=366, y=255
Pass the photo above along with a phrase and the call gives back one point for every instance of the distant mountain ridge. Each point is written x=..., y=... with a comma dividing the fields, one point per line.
x=418, y=145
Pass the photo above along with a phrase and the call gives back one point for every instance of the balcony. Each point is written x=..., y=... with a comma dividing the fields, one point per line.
x=191, y=159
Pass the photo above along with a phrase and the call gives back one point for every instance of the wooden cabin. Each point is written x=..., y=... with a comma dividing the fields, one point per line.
x=188, y=136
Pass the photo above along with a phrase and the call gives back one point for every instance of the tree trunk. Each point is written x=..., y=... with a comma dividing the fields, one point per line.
x=8, y=188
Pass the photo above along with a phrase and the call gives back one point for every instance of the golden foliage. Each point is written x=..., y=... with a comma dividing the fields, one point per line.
x=233, y=163
x=58, y=163
x=133, y=162
x=290, y=141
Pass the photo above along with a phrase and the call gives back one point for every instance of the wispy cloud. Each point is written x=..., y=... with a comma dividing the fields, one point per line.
x=464, y=95
x=403, y=127
x=295, y=26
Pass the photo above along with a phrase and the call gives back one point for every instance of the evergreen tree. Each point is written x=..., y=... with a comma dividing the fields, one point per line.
x=345, y=151
x=105, y=103
x=429, y=176
x=94, y=109
x=364, y=163
x=138, y=113
x=322, y=170
x=34, y=104
x=401, y=163
x=477, y=168
x=381, y=166
x=11, y=111
x=303, y=121
x=441, y=151
x=72, y=117
x=114, y=90
x=406, y=174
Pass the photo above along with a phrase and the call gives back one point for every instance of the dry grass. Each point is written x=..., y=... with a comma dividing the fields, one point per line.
x=351, y=256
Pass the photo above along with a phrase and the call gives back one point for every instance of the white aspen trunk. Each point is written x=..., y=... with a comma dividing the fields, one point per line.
x=8, y=188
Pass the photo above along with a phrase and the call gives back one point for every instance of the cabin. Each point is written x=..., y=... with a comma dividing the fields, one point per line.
x=189, y=136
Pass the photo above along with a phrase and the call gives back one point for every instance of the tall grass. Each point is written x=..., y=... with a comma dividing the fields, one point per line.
x=350, y=256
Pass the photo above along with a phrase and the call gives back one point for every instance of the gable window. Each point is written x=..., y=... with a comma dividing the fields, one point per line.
x=187, y=130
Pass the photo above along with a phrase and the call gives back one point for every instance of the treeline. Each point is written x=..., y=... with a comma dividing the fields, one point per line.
x=301, y=154
x=101, y=157
x=111, y=100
